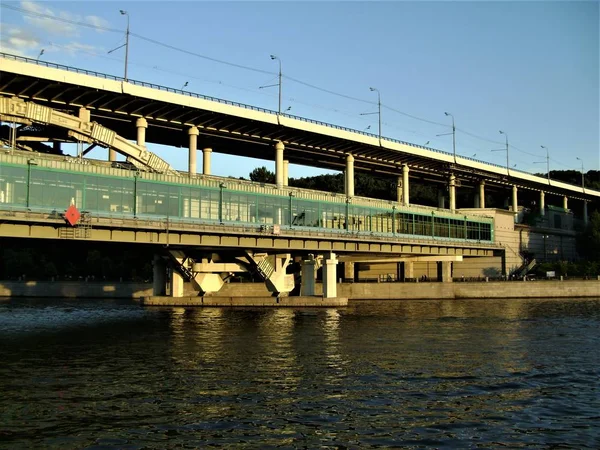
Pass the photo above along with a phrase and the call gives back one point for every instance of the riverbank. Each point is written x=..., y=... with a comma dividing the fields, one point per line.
x=351, y=291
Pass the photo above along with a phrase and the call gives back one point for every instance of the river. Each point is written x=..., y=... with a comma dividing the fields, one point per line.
x=411, y=374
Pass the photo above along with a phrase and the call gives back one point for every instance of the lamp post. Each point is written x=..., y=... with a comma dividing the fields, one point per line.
x=372, y=89
x=453, y=135
x=547, y=161
x=279, y=104
x=40, y=55
x=126, y=44
x=504, y=150
x=582, y=175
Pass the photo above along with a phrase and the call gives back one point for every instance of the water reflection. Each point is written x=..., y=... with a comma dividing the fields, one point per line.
x=392, y=374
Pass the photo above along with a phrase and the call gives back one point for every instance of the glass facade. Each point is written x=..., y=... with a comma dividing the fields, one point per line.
x=44, y=188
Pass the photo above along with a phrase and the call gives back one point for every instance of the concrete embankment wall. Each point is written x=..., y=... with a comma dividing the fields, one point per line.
x=352, y=291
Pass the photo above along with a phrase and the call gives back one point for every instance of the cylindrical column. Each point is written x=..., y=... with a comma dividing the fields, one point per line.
x=193, y=132
x=585, y=212
x=286, y=168
x=349, y=176
x=452, y=190
x=514, y=200
x=565, y=203
x=141, y=125
x=441, y=199
x=542, y=203
x=279, y=147
x=399, y=190
x=405, y=199
x=482, y=194
x=206, y=160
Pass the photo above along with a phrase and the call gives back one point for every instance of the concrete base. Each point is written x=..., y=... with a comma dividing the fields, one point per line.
x=312, y=301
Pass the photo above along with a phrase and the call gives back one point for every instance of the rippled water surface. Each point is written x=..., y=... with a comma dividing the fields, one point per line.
x=444, y=374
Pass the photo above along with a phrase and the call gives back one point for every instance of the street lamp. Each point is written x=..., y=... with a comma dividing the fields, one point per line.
x=40, y=55
x=372, y=89
x=582, y=175
x=547, y=161
x=453, y=135
x=504, y=149
x=273, y=57
x=126, y=44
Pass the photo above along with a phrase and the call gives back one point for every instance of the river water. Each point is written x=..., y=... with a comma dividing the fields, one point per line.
x=408, y=374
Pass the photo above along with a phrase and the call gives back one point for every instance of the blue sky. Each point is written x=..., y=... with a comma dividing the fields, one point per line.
x=528, y=68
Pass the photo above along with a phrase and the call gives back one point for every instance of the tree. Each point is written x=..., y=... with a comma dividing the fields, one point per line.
x=262, y=175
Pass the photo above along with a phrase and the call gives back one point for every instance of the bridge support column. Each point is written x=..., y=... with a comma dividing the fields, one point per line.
x=329, y=276
x=159, y=281
x=176, y=284
x=309, y=273
x=141, y=125
x=399, y=190
x=481, y=194
x=349, y=271
x=286, y=168
x=446, y=269
x=206, y=160
x=565, y=203
x=279, y=147
x=349, y=176
x=515, y=207
x=193, y=133
x=405, y=190
x=409, y=269
x=585, y=212
x=452, y=192
x=542, y=203
x=441, y=199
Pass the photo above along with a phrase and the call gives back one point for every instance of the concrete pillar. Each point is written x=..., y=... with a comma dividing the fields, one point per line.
x=176, y=284
x=141, y=125
x=565, y=203
x=399, y=190
x=409, y=270
x=441, y=199
x=482, y=194
x=309, y=274
x=279, y=147
x=446, y=271
x=286, y=168
x=329, y=276
x=542, y=203
x=585, y=212
x=349, y=176
x=159, y=269
x=349, y=270
x=56, y=147
x=405, y=199
x=514, y=200
x=452, y=190
x=193, y=132
x=206, y=152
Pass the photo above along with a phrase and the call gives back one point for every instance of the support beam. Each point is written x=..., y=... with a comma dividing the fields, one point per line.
x=542, y=203
x=565, y=203
x=286, y=168
x=141, y=125
x=329, y=276
x=279, y=147
x=193, y=148
x=452, y=192
x=206, y=152
x=350, y=176
x=405, y=187
x=482, y=194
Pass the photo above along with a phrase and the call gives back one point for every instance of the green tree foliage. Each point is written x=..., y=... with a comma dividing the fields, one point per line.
x=262, y=175
x=588, y=241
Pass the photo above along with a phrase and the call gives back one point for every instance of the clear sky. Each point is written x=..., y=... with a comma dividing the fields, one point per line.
x=530, y=69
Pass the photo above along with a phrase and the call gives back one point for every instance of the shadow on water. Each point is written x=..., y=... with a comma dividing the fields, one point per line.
x=107, y=374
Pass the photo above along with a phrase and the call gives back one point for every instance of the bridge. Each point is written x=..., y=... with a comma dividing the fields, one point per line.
x=213, y=226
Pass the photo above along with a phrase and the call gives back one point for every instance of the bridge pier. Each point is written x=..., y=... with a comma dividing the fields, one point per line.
x=542, y=203
x=206, y=152
x=193, y=133
x=481, y=194
x=159, y=269
x=405, y=190
x=515, y=207
x=565, y=203
x=452, y=192
x=279, y=147
x=349, y=176
x=286, y=168
x=141, y=125
x=441, y=199
x=399, y=189
x=330, y=276
x=309, y=274
x=585, y=212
